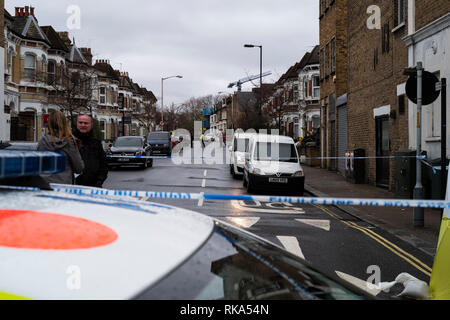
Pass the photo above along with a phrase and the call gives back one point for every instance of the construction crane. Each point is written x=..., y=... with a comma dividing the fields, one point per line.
x=239, y=83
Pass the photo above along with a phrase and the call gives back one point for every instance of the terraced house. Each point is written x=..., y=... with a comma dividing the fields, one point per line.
x=45, y=70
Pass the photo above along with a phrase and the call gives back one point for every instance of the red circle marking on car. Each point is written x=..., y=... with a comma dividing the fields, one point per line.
x=26, y=229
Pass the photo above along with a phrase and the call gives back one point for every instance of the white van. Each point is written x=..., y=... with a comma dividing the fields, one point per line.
x=237, y=150
x=272, y=162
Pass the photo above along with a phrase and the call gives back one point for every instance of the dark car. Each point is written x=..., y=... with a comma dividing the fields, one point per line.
x=160, y=142
x=129, y=150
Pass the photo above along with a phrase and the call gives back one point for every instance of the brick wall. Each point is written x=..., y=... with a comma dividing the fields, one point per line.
x=373, y=76
x=429, y=10
x=333, y=24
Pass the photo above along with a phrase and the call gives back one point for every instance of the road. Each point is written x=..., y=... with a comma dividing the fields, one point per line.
x=332, y=240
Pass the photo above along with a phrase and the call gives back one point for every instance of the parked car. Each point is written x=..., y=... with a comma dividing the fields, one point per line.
x=237, y=156
x=71, y=242
x=124, y=150
x=272, y=162
x=160, y=142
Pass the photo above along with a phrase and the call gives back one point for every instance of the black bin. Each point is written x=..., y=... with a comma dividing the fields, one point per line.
x=355, y=167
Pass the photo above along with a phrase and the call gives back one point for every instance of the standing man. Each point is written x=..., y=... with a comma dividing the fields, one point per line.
x=94, y=157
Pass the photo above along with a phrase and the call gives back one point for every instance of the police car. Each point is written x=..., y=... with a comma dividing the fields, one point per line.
x=79, y=243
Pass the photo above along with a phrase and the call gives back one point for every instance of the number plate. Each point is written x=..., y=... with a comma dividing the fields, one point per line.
x=278, y=180
x=124, y=160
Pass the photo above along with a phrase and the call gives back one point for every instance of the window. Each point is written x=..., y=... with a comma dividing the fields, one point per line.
x=321, y=7
x=333, y=55
x=315, y=122
x=401, y=12
x=10, y=62
x=322, y=65
x=296, y=93
x=103, y=129
x=43, y=68
x=51, y=74
x=102, y=95
x=30, y=67
x=385, y=34
x=316, y=87
x=327, y=59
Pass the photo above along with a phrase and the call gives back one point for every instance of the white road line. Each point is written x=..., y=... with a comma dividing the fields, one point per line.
x=205, y=173
x=321, y=224
x=204, y=183
x=292, y=245
x=238, y=205
x=363, y=285
x=243, y=222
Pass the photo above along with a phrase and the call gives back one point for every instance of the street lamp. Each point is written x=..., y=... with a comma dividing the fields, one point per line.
x=260, y=71
x=162, y=96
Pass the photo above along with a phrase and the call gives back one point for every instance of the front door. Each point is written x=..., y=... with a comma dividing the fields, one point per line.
x=383, y=151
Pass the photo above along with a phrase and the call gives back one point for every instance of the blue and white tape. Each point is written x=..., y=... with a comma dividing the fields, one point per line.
x=397, y=203
x=138, y=157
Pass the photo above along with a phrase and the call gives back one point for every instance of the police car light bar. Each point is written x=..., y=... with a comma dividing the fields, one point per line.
x=30, y=163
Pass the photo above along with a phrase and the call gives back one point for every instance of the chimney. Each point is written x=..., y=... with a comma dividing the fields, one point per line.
x=87, y=54
x=17, y=11
x=65, y=37
x=32, y=11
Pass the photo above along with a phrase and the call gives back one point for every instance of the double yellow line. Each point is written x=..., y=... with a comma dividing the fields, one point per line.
x=419, y=265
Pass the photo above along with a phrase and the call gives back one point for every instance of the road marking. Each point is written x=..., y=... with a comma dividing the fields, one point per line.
x=240, y=205
x=245, y=223
x=321, y=224
x=204, y=183
x=292, y=245
x=200, y=201
x=418, y=264
x=205, y=173
x=363, y=285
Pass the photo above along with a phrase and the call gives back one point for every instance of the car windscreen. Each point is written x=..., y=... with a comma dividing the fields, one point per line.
x=159, y=136
x=283, y=152
x=128, y=142
x=234, y=266
x=241, y=145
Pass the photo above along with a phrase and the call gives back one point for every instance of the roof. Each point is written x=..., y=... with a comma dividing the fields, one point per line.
x=104, y=66
x=27, y=27
x=55, y=40
x=272, y=138
x=75, y=55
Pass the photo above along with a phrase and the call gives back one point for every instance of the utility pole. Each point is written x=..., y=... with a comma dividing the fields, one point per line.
x=418, y=190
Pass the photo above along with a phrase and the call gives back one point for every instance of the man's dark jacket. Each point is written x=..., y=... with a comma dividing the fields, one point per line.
x=94, y=157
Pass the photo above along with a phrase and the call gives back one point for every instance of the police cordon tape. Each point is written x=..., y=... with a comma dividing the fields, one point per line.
x=397, y=203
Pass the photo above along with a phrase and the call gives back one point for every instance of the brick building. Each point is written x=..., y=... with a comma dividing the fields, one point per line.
x=333, y=81
x=377, y=117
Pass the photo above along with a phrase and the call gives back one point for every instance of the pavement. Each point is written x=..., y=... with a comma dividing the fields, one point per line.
x=397, y=221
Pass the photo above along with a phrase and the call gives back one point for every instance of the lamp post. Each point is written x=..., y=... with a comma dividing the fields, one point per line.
x=162, y=96
x=260, y=72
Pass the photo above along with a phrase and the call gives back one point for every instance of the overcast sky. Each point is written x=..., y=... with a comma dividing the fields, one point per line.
x=202, y=40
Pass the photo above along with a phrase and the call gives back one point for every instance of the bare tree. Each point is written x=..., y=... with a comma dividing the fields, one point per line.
x=73, y=91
